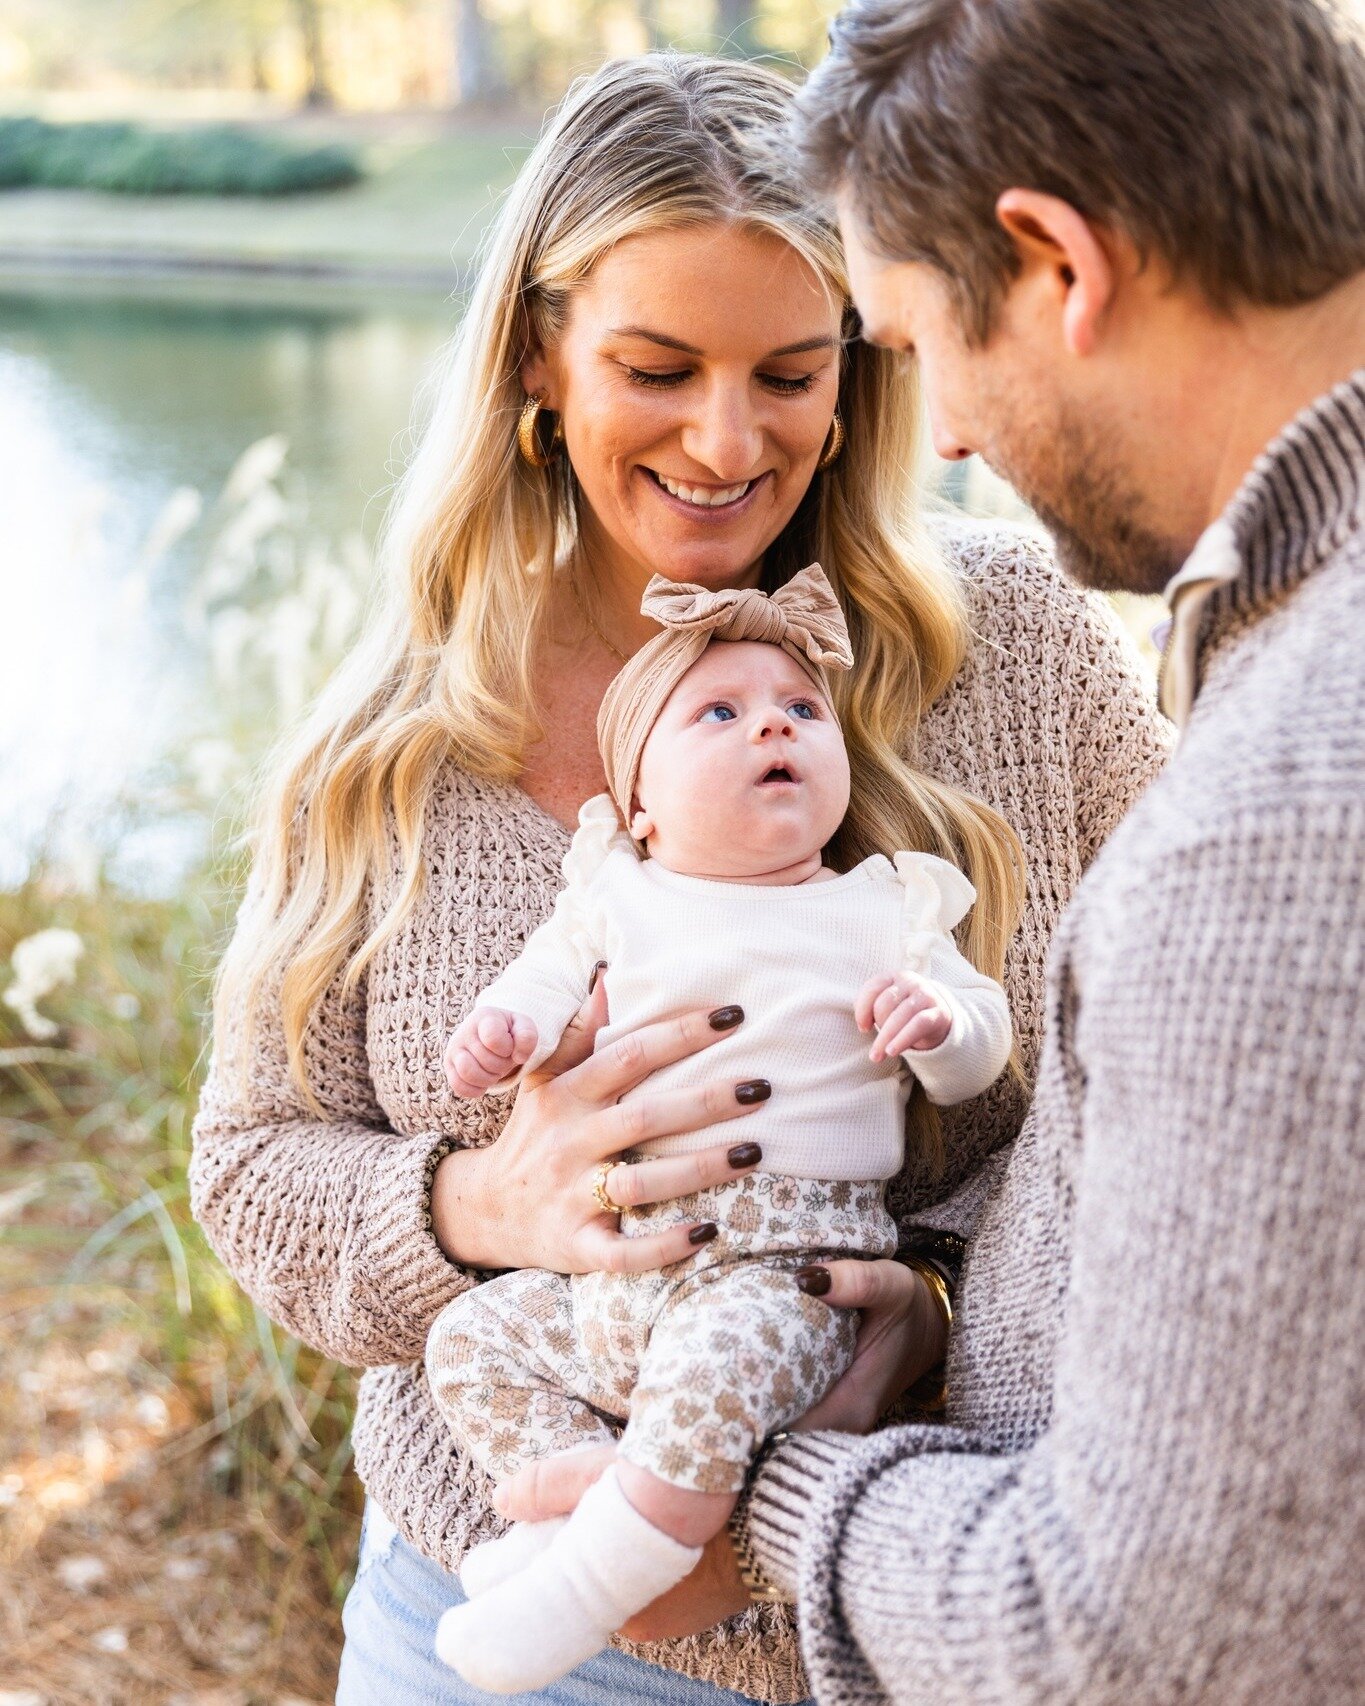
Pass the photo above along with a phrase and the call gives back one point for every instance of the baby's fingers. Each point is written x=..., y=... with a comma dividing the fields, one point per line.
x=925, y=1031
x=496, y=1032
x=867, y=997
x=892, y=1022
x=525, y=1036
x=466, y=1077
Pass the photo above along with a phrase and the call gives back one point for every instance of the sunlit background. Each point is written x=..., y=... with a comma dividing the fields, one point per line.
x=233, y=235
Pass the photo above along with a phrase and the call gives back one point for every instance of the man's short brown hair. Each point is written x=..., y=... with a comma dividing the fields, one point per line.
x=1226, y=136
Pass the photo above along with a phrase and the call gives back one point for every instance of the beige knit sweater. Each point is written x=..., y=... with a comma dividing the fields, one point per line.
x=1151, y=1491
x=324, y=1222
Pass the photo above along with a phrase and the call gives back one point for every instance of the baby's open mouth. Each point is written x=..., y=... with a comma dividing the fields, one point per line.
x=703, y=497
x=778, y=773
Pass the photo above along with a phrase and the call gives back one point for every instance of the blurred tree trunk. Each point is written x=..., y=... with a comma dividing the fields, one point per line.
x=735, y=26
x=318, y=93
x=654, y=30
x=478, y=76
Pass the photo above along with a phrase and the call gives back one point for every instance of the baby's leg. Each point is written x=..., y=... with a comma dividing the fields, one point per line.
x=501, y=1363
x=741, y=1353
x=503, y=1368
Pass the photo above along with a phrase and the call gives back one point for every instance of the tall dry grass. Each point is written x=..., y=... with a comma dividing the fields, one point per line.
x=177, y=1513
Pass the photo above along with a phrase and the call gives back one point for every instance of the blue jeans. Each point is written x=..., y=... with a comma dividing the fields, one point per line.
x=389, y=1657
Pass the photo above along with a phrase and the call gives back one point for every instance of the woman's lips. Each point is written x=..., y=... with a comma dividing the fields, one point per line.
x=703, y=512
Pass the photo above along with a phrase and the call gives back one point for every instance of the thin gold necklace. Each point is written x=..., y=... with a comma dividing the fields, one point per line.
x=615, y=651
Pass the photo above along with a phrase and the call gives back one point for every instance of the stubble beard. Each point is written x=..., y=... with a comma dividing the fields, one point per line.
x=1095, y=516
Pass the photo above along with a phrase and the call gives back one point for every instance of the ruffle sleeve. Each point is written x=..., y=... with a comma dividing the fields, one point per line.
x=599, y=834
x=937, y=897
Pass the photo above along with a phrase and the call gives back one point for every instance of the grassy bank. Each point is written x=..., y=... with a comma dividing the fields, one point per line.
x=176, y=1512
x=414, y=219
x=178, y=1518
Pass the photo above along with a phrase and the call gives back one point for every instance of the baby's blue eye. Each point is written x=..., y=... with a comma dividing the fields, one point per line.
x=804, y=709
x=717, y=714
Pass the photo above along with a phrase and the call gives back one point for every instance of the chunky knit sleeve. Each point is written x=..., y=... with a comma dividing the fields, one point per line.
x=323, y=1221
x=1206, y=1405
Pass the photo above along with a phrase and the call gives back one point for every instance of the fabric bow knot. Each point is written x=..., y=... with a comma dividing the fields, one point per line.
x=803, y=617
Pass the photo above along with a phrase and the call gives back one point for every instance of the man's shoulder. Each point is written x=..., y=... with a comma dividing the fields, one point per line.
x=1273, y=758
x=1282, y=709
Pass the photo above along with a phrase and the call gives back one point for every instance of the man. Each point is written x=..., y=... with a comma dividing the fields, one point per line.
x=1125, y=240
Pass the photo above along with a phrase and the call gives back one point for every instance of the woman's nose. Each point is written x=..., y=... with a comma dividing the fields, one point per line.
x=724, y=437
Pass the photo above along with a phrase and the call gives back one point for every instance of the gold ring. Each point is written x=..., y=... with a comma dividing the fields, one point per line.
x=600, y=1191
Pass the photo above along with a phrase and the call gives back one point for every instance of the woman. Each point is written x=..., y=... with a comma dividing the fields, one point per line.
x=651, y=378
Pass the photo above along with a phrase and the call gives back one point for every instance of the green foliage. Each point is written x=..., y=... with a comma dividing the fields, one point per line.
x=131, y=159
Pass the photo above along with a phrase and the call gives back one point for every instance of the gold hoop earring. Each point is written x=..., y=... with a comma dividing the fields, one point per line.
x=528, y=438
x=834, y=445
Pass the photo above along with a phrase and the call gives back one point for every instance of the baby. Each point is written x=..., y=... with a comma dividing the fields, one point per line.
x=727, y=765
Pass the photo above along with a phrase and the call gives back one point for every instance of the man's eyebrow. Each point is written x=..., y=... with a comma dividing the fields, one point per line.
x=802, y=348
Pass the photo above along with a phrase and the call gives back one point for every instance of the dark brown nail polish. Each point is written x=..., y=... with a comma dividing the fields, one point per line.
x=597, y=971
x=725, y=1018
x=753, y=1090
x=744, y=1155
x=702, y=1234
x=814, y=1281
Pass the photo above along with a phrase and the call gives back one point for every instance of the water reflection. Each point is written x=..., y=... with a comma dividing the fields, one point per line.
x=111, y=403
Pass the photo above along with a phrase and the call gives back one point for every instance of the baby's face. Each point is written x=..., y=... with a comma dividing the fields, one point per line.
x=745, y=771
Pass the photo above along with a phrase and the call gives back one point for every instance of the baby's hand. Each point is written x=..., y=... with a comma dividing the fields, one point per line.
x=487, y=1048
x=908, y=1012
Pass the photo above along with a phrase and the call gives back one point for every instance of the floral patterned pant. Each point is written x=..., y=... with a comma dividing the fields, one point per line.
x=701, y=1360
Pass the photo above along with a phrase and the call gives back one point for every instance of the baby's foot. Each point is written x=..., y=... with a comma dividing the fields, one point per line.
x=493, y=1561
x=605, y=1564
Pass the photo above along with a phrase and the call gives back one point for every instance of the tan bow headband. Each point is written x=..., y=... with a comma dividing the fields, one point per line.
x=803, y=617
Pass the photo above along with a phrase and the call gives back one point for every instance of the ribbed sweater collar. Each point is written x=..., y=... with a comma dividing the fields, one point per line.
x=1300, y=500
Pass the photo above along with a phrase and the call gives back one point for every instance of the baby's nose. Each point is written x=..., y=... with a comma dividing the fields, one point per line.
x=773, y=721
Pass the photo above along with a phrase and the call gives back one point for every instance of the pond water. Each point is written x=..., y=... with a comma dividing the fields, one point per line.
x=111, y=402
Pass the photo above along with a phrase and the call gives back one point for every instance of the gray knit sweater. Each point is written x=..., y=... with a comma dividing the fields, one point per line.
x=323, y=1221
x=1150, y=1487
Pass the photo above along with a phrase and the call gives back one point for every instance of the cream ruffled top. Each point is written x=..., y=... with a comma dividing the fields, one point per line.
x=794, y=957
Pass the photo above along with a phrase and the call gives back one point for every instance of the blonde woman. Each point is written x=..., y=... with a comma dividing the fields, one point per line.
x=653, y=377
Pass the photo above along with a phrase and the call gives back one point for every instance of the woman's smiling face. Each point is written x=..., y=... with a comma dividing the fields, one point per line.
x=696, y=376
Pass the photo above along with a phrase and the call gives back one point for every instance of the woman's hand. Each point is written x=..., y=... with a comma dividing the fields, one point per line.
x=901, y=1336
x=527, y=1200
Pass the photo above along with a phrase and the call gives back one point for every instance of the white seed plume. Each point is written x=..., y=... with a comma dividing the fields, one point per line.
x=41, y=963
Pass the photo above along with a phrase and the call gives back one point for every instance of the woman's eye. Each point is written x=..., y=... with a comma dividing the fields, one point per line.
x=788, y=387
x=661, y=381
x=804, y=709
x=717, y=714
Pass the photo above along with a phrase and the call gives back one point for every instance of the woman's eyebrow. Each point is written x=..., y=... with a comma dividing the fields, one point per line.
x=802, y=348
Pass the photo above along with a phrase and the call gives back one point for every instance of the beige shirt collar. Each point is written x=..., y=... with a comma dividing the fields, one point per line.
x=1214, y=562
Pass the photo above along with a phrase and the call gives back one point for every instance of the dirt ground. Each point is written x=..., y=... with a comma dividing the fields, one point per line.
x=139, y=1564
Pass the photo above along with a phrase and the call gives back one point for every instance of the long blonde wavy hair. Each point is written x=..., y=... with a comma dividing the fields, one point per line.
x=446, y=670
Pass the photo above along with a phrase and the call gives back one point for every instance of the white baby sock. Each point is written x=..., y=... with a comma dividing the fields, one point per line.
x=492, y=1561
x=603, y=1566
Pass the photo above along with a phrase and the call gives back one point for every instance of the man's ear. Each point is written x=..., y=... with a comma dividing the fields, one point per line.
x=1050, y=233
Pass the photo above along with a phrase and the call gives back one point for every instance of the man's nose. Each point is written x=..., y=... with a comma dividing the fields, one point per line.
x=724, y=435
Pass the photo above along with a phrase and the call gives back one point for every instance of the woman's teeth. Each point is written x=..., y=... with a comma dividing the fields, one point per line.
x=699, y=495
